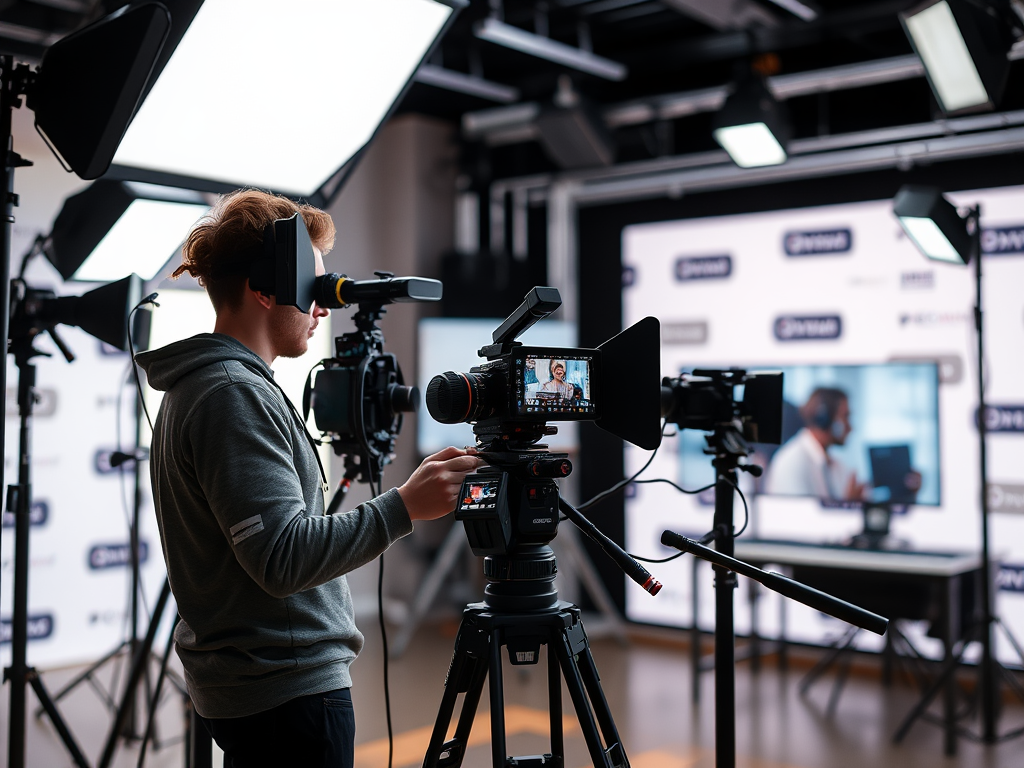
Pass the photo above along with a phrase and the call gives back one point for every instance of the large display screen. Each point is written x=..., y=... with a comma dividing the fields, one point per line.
x=851, y=433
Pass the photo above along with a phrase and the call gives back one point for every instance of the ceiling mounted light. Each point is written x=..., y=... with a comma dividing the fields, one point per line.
x=752, y=126
x=517, y=39
x=115, y=228
x=284, y=105
x=963, y=48
x=933, y=224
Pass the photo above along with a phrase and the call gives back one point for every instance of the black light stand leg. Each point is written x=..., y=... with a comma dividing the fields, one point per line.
x=725, y=583
x=151, y=718
x=139, y=665
x=19, y=499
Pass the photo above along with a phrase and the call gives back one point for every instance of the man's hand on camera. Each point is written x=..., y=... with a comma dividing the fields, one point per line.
x=432, y=490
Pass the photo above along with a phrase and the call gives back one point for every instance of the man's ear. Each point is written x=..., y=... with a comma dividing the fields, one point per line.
x=262, y=299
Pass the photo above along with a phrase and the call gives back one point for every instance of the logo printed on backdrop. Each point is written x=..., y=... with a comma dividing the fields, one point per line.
x=628, y=277
x=45, y=405
x=1010, y=577
x=691, y=332
x=39, y=626
x=809, y=327
x=1003, y=418
x=1006, y=497
x=703, y=268
x=934, y=318
x=824, y=242
x=115, y=555
x=38, y=514
x=917, y=281
x=1002, y=241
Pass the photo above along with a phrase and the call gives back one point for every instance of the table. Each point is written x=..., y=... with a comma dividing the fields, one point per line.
x=899, y=584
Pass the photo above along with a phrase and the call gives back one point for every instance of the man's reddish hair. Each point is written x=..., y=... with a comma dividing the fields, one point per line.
x=234, y=225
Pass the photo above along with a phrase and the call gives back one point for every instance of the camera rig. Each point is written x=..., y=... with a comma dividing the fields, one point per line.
x=511, y=508
x=359, y=398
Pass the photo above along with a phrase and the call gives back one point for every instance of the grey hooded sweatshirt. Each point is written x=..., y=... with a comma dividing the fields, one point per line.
x=255, y=566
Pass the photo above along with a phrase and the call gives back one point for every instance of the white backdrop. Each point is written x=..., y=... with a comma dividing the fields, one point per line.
x=835, y=285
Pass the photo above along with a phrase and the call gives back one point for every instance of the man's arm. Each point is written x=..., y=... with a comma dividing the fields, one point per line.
x=245, y=452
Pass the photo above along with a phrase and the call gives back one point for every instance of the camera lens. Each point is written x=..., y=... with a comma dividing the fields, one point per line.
x=454, y=397
x=404, y=399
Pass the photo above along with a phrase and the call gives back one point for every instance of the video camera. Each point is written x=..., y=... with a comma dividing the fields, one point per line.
x=513, y=502
x=750, y=403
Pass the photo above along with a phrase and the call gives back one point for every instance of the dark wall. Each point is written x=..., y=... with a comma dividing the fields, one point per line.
x=600, y=269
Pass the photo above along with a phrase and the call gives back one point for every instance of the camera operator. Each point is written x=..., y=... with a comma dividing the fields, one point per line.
x=267, y=631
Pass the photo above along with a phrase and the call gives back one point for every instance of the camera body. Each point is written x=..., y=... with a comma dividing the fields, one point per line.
x=513, y=503
x=710, y=399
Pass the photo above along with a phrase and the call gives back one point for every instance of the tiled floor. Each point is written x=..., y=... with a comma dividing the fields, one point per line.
x=648, y=688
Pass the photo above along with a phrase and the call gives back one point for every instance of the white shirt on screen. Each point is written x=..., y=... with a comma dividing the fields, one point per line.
x=801, y=467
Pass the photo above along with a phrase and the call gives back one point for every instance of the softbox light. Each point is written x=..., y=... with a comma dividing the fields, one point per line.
x=284, y=101
x=963, y=47
x=933, y=224
x=89, y=84
x=114, y=228
x=102, y=312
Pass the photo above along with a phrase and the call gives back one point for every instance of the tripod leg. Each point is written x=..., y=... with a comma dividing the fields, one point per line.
x=555, y=707
x=592, y=682
x=937, y=685
x=497, y=691
x=828, y=659
x=567, y=650
x=465, y=675
x=57, y=720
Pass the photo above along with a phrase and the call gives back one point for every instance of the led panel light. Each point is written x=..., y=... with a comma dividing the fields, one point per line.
x=112, y=229
x=278, y=95
x=932, y=224
x=751, y=145
x=963, y=51
x=752, y=126
x=929, y=239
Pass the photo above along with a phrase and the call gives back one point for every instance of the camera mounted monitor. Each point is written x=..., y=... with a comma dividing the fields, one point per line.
x=510, y=398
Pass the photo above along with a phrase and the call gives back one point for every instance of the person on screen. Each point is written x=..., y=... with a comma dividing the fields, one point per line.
x=557, y=383
x=267, y=631
x=803, y=466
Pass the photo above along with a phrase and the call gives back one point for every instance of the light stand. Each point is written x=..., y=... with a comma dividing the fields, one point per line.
x=19, y=498
x=726, y=568
x=964, y=241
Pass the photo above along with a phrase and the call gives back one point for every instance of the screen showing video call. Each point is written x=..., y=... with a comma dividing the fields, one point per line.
x=851, y=433
x=555, y=387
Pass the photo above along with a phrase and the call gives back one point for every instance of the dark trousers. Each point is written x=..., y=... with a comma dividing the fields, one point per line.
x=316, y=731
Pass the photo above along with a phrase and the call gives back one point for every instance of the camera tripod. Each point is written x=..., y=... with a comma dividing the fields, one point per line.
x=521, y=611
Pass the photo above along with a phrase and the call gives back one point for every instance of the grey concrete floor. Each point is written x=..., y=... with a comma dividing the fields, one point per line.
x=647, y=684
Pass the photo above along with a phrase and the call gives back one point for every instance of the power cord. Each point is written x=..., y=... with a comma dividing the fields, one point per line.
x=384, y=643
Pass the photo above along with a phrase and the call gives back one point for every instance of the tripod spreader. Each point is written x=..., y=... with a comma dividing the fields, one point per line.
x=629, y=566
x=820, y=601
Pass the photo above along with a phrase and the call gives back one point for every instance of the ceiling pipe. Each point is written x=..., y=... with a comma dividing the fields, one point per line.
x=514, y=124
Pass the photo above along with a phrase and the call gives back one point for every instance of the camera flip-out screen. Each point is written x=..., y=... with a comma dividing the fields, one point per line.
x=556, y=384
